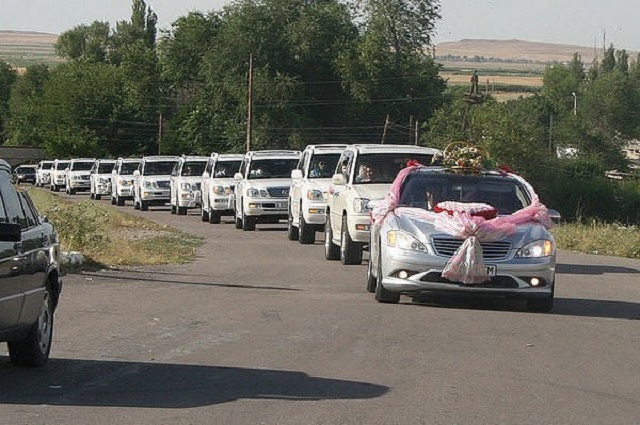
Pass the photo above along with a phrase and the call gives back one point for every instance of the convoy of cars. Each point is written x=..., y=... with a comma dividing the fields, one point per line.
x=428, y=227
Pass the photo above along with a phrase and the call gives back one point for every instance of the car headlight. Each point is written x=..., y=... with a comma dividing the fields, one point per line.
x=315, y=195
x=536, y=249
x=185, y=186
x=252, y=192
x=76, y=177
x=125, y=182
x=150, y=185
x=361, y=205
x=403, y=240
x=218, y=190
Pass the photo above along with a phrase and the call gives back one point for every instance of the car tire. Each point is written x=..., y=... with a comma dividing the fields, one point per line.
x=292, y=231
x=174, y=210
x=91, y=195
x=371, y=279
x=33, y=351
x=97, y=197
x=238, y=221
x=306, y=233
x=331, y=250
x=214, y=217
x=113, y=200
x=119, y=201
x=72, y=192
x=144, y=205
x=248, y=223
x=382, y=295
x=350, y=251
x=181, y=210
x=540, y=305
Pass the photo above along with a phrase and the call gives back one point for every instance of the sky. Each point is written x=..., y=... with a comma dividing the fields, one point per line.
x=579, y=22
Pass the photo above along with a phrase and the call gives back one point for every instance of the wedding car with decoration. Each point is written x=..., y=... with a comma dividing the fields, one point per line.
x=362, y=178
x=461, y=228
x=262, y=187
x=185, y=183
x=122, y=180
x=151, y=185
x=309, y=191
x=30, y=281
x=78, y=175
x=101, y=178
x=218, y=186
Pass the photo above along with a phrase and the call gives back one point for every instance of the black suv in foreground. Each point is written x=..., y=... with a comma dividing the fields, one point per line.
x=30, y=281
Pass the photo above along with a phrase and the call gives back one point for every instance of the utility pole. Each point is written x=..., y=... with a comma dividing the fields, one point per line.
x=250, y=102
x=575, y=103
x=160, y=134
x=384, y=133
x=550, y=130
x=416, y=133
x=410, y=128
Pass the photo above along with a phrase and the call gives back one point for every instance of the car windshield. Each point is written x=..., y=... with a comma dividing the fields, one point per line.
x=82, y=166
x=127, y=168
x=384, y=167
x=105, y=167
x=323, y=165
x=424, y=190
x=47, y=165
x=158, y=168
x=272, y=168
x=226, y=168
x=25, y=170
x=193, y=168
x=61, y=165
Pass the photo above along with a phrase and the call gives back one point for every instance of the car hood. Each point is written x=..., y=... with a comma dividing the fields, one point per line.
x=319, y=184
x=226, y=181
x=425, y=230
x=155, y=178
x=191, y=179
x=265, y=183
x=371, y=191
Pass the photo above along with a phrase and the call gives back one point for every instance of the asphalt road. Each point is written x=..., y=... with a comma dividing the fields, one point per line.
x=261, y=330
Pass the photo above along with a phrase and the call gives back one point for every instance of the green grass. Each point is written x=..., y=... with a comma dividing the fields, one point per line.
x=110, y=238
x=599, y=238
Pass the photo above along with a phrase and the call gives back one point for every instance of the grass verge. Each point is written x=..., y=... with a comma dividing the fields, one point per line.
x=109, y=238
x=599, y=238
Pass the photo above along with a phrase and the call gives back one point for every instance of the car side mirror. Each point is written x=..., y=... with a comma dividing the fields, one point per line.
x=136, y=173
x=338, y=179
x=205, y=175
x=66, y=169
x=554, y=215
x=237, y=176
x=296, y=174
x=10, y=232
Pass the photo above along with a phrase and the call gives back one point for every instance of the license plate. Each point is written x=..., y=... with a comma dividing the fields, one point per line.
x=491, y=270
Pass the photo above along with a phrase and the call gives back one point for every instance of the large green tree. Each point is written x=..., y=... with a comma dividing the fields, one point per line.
x=8, y=76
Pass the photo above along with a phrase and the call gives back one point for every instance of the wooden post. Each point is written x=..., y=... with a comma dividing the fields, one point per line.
x=250, y=102
x=384, y=133
x=410, y=128
x=416, y=133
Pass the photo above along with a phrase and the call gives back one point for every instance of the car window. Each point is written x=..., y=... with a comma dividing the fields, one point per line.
x=127, y=168
x=12, y=209
x=30, y=218
x=105, y=167
x=82, y=166
x=272, y=168
x=227, y=168
x=158, y=168
x=323, y=165
x=384, y=167
x=193, y=168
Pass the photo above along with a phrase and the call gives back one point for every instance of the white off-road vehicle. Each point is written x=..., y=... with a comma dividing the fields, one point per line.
x=101, y=178
x=218, y=185
x=43, y=173
x=58, y=174
x=262, y=187
x=122, y=180
x=185, y=183
x=310, y=183
x=362, y=177
x=78, y=175
x=152, y=184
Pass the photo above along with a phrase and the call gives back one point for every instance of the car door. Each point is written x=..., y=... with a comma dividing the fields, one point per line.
x=339, y=195
x=296, y=187
x=240, y=186
x=11, y=258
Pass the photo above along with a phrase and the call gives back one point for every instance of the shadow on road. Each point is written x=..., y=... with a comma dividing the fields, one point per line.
x=592, y=269
x=185, y=282
x=67, y=382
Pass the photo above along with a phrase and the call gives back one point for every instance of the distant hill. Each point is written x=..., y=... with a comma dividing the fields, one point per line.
x=23, y=48
x=517, y=50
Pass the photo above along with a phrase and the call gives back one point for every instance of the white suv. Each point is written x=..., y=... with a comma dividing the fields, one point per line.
x=58, y=177
x=101, y=178
x=152, y=181
x=218, y=186
x=185, y=183
x=78, y=175
x=122, y=180
x=43, y=173
x=309, y=191
x=262, y=187
x=362, y=177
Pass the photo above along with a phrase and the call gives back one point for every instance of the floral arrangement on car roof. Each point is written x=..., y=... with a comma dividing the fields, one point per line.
x=464, y=156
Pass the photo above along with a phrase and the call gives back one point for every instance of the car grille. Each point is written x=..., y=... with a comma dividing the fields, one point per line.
x=446, y=247
x=496, y=282
x=198, y=185
x=164, y=184
x=278, y=192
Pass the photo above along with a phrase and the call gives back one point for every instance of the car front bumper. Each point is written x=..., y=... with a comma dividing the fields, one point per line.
x=103, y=189
x=155, y=195
x=79, y=184
x=266, y=207
x=513, y=277
x=315, y=212
x=359, y=227
x=222, y=203
x=189, y=199
x=125, y=192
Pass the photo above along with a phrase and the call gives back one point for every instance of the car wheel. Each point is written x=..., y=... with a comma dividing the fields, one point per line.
x=540, y=305
x=307, y=234
x=72, y=192
x=382, y=295
x=97, y=197
x=182, y=210
x=248, y=223
x=120, y=201
x=113, y=200
x=238, y=223
x=350, y=251
x=91, y=195
x=144, y=205
x=331, y=250
x=204, y=214
x=292, y=231
x=371, y=279
x=214, y=217
x=34, y=350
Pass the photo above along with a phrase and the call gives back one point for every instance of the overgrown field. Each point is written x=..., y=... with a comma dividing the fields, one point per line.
x=108, y=238
x=599, y=238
